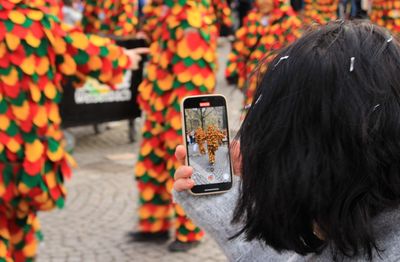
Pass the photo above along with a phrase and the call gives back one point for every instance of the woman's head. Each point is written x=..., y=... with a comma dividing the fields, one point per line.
x=320, y=145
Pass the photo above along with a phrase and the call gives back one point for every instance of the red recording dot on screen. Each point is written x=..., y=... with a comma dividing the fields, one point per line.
x=204, y=104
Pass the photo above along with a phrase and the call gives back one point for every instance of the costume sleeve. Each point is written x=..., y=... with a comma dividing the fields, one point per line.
x=214, y=213
x=80, y=55
x=245, y=39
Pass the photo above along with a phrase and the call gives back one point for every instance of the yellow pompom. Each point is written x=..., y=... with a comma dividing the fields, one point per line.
x=69, y=65
x=33, y=151
x=28, y=65
x=139, y=169
x=29, y=250
x=194, y=18
x=12, y=41
x=54, y=114
x=35, y=92
x=79, y=40
x=40, y=119
x=145, y=149
x=35, y=15
x=50, y=90
x=51, y=179
x=3, y=49
x=184, y=77
x=4, y=122
x=98, y=41
x=57, y=155
x=23, y=189
x=166, y=83
x=32, y=40
x=17, y=17
x=176, y=122
x=144, y=213
x=198, y=80
x=43, y=66
x=21, y=112
x=10, y=79
x=147, y=194
x=183, y=49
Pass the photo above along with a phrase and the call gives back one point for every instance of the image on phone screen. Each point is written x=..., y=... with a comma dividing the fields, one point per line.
x=207, y=144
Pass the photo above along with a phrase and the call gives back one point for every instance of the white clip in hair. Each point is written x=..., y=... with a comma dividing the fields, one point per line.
x=390, y=39
x=258, y=99
x=375, y=107
x=280, y=59
x=352, y=60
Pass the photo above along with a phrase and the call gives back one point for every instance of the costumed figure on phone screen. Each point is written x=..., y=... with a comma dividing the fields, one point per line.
x=182, y=62
x=320, y=11
x=214, y=138
x=386, y=13
x=200, y=137
x=117, y=18
x=271, y=25
x=36, y=54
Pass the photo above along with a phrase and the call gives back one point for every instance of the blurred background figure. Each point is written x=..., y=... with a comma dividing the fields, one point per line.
x=320, y=11
x=386, y=13
x=182, y=62
x=271, y=25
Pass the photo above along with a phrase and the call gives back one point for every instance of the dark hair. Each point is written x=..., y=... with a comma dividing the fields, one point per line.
x=320, y=144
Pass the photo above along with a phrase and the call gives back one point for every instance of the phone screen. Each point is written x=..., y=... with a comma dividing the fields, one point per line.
x=207, y=143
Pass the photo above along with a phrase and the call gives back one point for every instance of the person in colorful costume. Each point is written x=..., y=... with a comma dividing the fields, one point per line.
x=117, y=18
x=222, y=17
x=200, y=137
x=36, y=54
x=182, y=62
x=386, y=13
x=320, y=11
x=271, y=25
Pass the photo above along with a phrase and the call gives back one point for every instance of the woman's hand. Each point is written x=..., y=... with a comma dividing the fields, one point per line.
x=183, y=174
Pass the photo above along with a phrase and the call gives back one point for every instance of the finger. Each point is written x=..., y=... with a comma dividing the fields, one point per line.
x=183, y=184
x=180, y=154
x=141, y=50
x=183, y=172
x=236, y=157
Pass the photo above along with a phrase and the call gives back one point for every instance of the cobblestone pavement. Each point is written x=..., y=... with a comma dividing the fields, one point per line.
x=102, y=200
x=204, y=172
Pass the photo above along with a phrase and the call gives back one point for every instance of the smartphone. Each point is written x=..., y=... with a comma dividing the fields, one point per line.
x=206, y=136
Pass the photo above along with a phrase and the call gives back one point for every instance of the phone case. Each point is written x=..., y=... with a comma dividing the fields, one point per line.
x=185, y=142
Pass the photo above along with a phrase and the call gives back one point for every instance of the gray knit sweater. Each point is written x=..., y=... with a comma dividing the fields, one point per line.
x=213, y=213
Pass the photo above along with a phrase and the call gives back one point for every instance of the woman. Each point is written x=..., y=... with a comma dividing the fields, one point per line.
x=271, y=25
x=319, y=154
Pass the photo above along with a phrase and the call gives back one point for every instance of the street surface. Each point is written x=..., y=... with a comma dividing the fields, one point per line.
x=204, y=173
x=102, y=199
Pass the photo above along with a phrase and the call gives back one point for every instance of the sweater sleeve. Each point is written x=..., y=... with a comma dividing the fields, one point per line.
x=214, y=213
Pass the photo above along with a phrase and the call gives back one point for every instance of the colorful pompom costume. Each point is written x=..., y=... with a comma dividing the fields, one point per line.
x=320, y=11
x=222, y=14
x=260, y=37
x=36, y=53
x=182, y=62
x=386, y=13
x=110, y=17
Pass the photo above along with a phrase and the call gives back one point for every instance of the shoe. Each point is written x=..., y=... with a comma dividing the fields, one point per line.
x=138, y=236
x=178, y=246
